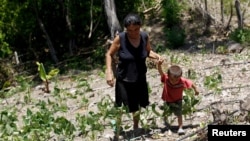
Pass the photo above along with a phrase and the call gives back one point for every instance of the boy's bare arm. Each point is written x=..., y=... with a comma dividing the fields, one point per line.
x=160, y=68
x=195, y=89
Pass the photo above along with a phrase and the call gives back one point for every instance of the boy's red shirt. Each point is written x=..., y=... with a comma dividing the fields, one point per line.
x=173, y=93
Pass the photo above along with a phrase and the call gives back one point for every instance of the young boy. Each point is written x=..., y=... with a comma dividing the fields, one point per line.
x=173, y=86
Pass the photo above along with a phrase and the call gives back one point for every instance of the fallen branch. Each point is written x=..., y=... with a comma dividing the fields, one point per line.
x=226, y=88
x=218, y=102
x=156, y=8
x=230, y=64
x=189, y=135
x=204, y=128
x=100, y=88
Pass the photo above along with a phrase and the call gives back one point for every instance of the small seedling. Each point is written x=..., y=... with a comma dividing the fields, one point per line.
x=45, y=77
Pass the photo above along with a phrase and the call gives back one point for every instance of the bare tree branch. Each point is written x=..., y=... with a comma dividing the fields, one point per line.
x=230, y=18
x=91, y=19
x=239, y=14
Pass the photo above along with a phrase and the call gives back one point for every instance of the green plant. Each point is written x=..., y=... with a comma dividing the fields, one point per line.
x=8, y=125
x=173, y=30
x=84, y=83
x=38, y=125
x=114, y=114
x=241, y=35
x=5, y=50
x=212, y=82
x=174, y=59
x=171, y=12
x=191, y=74
x=146, y=114
x=160, y=48
x=149, y=88
x=27, y=97
x=221, y=49
x=44, y=76
x=89, y=124
x=189, y=102
x=62, y=126
x=166, y=114
x=98, y=55
x=175, y=36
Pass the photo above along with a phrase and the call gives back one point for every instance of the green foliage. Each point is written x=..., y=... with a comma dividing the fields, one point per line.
x=221, y=49
x=44, y=76
x=42, y=72
x=175, y=36
x=38, y=125
x=189, y=102
x=241, y=35
x=149, y=88
x=171, y=12
x=8, y=125
x=126, y=6
x=89, y=123
x=8, y=13
x=212, y=81
x=145, y=115
x=98, y=56
x=166, y=113
x=5, y=50
x=159, y=48
x=6, y=73
x=62, y=126
x=162, y=49
x=174, y=59
x=113, y=114
x=191, y=74
x=26, y=26
x=82, y=82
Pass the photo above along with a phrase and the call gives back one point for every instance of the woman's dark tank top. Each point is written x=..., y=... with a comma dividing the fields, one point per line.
x=132, y=60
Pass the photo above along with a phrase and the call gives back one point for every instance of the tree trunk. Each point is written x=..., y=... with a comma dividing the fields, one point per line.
x=114, y=27
x=222, y=10
x=230, y=18
x=66, y=10
x=112, y=20
x=239, y=14
x=50, y=45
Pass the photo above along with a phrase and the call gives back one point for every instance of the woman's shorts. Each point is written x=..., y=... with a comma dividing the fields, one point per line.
x=133, y=95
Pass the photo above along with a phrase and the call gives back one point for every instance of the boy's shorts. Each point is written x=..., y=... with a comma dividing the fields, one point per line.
x=176, y=107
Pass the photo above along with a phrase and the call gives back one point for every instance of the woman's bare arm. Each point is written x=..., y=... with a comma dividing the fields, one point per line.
x=112, y=50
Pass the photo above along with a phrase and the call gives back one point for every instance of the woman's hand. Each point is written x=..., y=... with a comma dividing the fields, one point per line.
x=109, y=78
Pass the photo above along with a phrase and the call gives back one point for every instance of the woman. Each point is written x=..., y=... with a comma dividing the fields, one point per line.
x=132, y=47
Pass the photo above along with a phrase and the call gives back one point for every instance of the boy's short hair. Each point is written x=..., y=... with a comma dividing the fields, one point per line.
x=175, y=71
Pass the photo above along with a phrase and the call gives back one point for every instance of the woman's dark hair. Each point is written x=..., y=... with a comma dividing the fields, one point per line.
x=133, y=19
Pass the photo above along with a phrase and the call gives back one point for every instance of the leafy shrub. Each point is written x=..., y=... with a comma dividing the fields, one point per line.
x=189, y=102
x=175, y=37
x=171, y=12
x=240, y=35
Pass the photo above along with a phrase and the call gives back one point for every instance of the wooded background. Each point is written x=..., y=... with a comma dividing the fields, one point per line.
x=56, y=31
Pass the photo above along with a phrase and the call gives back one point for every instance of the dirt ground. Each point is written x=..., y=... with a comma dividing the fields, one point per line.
x=200, y=56
x=234, y=69
x=203, y=61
